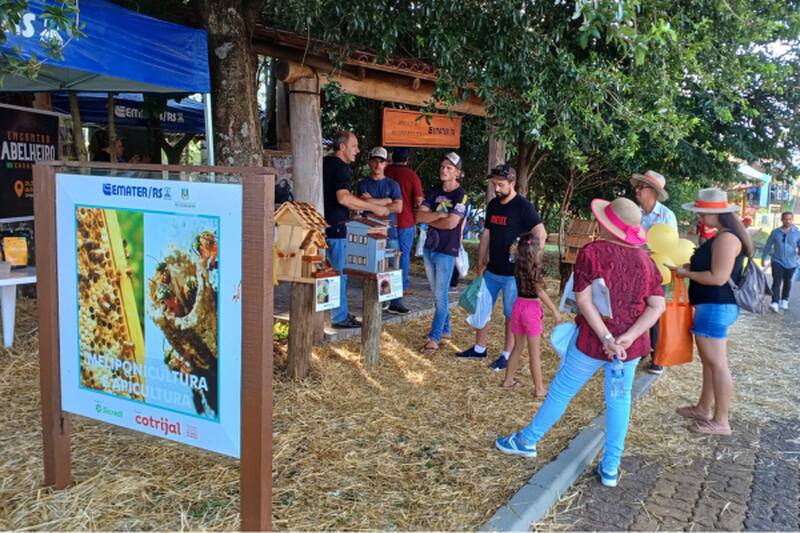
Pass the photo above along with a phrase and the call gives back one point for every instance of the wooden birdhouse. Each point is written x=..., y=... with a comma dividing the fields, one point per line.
x=300, y=243
x=367, y=248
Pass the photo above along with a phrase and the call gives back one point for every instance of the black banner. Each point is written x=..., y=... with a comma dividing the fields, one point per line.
x=26, y=136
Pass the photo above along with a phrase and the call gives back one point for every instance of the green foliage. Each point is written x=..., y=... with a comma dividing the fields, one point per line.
x=280, y=331
x=677, y=86
x=62, y=25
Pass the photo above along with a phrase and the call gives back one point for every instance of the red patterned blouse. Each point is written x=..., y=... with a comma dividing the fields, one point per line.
x=631, y=276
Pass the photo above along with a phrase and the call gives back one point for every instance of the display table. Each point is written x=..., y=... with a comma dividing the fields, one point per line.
x=8, y=298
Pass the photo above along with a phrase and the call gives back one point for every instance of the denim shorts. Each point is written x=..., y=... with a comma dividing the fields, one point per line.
x=507, y=284
x=713, y=320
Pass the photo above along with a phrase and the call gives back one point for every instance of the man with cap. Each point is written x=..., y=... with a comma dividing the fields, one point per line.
x=338, y=201
x=411, y=190
x=508, y=215
x=379, y=190
x=443, y=210
x=650, y=192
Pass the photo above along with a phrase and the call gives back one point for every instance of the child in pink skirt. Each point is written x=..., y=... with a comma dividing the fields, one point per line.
x=526, y=314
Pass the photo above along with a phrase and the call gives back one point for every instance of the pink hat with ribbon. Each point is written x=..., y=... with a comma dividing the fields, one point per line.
x=621, y=218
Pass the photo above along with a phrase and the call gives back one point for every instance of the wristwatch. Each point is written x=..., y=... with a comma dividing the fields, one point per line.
x=608, y=337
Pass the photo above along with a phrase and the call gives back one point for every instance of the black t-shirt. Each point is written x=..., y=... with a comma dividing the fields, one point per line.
x=336, y=175
x=505, y=223
x=445, y=241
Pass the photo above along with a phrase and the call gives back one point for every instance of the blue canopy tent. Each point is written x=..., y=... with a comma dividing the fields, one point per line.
x=185, y=116
x=123, y=51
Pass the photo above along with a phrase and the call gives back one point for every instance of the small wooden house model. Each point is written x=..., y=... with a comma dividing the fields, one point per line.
x=299, y=243
x=580, y=233
x=367, y=248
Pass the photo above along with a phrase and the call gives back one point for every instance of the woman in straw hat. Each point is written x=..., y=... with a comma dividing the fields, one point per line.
x=715, y=262
x=637, y=300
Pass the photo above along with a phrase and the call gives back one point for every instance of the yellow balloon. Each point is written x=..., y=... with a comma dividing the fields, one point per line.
x=662, y=238
x=662, y=259
x=666, y=274
x=682, y=253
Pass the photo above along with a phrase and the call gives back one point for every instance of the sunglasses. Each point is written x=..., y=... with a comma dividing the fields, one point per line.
x=640, y=186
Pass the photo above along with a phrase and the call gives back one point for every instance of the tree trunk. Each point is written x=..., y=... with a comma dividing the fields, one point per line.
x=77, y=128
x=112, y=129
x=497, y=156
x=232, y=62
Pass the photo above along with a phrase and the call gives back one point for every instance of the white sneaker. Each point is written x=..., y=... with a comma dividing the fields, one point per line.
x=784, y=304
x=774, y=307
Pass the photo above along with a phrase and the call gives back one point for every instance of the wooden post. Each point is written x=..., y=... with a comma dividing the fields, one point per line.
x=371, y=323
x=255, y=471
x=56, y=427
x=112, y=129
x=306, y=135
x=77, y=127
x=301, y=310
x=497, y=156
x=282, y=131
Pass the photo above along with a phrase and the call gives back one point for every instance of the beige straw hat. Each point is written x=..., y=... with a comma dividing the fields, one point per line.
x=652, y=179
x=711, y=200
x=621, y=218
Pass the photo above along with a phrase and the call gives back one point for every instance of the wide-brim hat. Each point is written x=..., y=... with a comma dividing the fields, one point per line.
x=711, y=200
x=621, y=218
x=655, y=180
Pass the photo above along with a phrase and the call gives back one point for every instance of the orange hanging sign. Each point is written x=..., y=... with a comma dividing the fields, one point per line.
x=416, y=130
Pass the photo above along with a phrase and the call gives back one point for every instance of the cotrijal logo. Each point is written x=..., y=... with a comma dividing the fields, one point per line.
x=162, y=424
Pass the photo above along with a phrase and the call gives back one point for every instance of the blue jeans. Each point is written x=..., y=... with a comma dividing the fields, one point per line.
x=439, y=269
x=505, y=284
x=576, y=370
x=395, y=244
x=713, y=320
x=405, y=237
x=337, y=256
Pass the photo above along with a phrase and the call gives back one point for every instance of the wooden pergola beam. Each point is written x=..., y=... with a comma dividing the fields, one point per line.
x=376, y=86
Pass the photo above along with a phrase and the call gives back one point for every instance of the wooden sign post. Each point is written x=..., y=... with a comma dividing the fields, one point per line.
x=255, y=449
x=371, y=317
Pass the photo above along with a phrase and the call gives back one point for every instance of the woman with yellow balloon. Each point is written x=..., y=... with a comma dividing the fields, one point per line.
x=714, y=263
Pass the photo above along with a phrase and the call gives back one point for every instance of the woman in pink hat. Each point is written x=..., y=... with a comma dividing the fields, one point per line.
x=636, y=302
x=716, y=261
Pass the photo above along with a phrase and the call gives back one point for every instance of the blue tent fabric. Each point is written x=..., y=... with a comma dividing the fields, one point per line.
x=122, y=51
x=185, y=116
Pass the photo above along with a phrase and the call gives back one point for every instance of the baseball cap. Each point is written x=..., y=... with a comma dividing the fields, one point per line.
x=454, y=158
x=379, y=152
x=401, y=154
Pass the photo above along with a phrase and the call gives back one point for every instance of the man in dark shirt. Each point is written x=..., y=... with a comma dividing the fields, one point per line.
x=411, y=191
x=443, y=210
x=338, y=201
x=508, y=216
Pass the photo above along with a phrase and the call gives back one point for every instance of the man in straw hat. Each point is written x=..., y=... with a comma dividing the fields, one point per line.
x=637, y=300
x=650, y=189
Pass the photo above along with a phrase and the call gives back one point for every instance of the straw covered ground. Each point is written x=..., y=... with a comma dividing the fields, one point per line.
x=408, y=446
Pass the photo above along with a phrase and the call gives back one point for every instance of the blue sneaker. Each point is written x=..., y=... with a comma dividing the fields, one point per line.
x=607, y=480
x=470, y=353
x=513, y=445
x=499, y=364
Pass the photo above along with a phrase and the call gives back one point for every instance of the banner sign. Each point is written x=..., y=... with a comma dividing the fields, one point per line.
x=26, y=136
x=326, y=293
x=390, y=285
x=150, y=318
x=416, y=130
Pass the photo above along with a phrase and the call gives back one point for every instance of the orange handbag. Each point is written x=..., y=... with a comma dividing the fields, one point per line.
x=675, y=345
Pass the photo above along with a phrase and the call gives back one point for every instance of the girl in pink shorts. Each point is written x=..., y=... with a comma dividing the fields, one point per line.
x=526, y=314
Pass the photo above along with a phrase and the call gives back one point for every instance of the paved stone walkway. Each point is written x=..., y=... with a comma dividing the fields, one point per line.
x=748, y=481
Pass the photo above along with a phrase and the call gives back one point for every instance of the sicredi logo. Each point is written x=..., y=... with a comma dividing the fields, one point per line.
x=162, y=424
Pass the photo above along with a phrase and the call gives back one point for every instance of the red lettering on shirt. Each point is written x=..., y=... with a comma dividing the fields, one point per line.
x=499, y=220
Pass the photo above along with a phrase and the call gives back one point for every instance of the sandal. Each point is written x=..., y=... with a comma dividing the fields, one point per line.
x=515, y=385
x=691, y=412
x=708, y=427
x=429, y=347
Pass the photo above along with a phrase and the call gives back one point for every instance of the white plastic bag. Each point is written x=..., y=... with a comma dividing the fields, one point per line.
x=569, y=304
x=462, y=262
x=562, y=337
x=483, y=308
x=423, y=232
